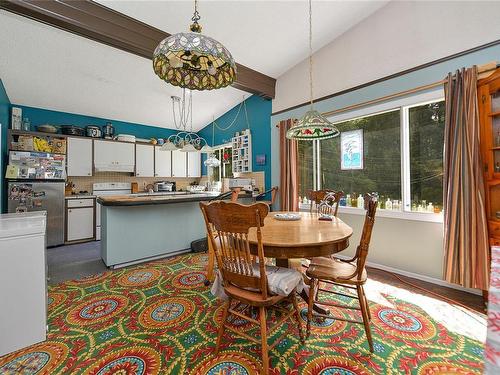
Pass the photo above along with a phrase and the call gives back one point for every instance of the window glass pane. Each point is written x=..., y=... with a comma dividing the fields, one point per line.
x=305, y=167
x=381, y=160
x=426, y=156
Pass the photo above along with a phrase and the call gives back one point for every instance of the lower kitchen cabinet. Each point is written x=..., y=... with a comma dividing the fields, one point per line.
x=80, y=220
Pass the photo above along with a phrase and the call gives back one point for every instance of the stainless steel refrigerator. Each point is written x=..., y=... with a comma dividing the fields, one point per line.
x=38, y=185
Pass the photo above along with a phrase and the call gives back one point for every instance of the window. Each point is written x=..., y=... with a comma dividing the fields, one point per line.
x=381, y=171
x=225, y=170
x=305, y=168
x=401, y=157
x=426, y=125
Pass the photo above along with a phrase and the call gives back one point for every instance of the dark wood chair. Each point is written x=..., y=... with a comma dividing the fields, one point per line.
x=317, y=196
x=244, y=281
x=273, y=191
x=329, y=205
x=235, y=194
x=350, y=274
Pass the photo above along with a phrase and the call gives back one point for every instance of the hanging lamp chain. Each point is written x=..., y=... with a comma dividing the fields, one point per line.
x=195, y=26
x=310, y=54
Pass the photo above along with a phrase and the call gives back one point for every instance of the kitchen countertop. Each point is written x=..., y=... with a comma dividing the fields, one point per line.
x=79, y=196
x=149, y=199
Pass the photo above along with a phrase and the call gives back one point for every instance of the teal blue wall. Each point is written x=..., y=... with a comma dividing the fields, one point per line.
x=405, y=82
x=40, y=116
x=4, y=124
x=259, y=117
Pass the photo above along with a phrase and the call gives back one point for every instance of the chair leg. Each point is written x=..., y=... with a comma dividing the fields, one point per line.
x=221, y=328
x=211, y=264
x=263, y=334
x=365, y=314
x=312, y=294
x=297, y=316
x=367, y=306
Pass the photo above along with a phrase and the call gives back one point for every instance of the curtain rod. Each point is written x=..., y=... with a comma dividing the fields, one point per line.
x=483, y=70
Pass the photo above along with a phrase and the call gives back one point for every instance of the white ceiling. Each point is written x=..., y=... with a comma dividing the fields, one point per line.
x=45, y=67
x=267, y=36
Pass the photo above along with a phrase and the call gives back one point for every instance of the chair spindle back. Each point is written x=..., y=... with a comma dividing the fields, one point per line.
x=364, y=243
x=228, y=225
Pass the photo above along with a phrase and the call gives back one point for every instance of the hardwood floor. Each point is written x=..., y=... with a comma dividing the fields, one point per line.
x=470, y=300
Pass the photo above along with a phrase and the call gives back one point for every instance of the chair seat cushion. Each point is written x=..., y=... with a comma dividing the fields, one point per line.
x=281, y=281
x=335, y=270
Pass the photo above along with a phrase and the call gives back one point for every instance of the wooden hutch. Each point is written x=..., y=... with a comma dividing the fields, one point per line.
x=489, y=116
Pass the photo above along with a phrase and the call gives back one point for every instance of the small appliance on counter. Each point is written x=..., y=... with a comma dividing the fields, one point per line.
x=109, y=131
x=93, y=131
x=164, y=186
x=242, y=183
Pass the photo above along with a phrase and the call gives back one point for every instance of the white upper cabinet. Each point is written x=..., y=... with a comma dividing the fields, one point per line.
x=114, y=156
x=163, y=163
x=193, y=164
x=179, y=164
x=79, y=157
x=144, y=160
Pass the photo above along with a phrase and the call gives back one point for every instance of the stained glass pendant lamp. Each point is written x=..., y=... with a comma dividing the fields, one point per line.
x=313, y=125
x=194, y=61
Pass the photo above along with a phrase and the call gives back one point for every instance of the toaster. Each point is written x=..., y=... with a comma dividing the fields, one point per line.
x=161, y=186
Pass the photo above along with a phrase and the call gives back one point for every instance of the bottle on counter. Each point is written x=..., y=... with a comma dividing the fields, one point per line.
x=388, y=204
x=348, y=200
x=430, y=207
x=360, y=202
x=497, y=167
x=414, y=206
x=354, y=200
x=342, y=201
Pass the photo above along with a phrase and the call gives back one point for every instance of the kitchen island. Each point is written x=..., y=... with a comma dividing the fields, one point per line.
x=141, y=227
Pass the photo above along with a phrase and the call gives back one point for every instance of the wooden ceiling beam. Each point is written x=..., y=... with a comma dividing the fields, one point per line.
x=102, y=24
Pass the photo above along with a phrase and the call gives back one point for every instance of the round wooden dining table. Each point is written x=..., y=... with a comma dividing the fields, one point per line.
x=305, y=238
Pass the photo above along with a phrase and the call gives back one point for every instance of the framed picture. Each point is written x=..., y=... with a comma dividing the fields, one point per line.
x=351, y=149
x=260, y=159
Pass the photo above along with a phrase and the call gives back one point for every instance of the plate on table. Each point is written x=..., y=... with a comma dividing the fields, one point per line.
x=287, y=217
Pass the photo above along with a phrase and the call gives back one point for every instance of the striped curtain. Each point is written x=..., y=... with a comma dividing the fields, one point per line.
x=289, y=185
x=466, y=250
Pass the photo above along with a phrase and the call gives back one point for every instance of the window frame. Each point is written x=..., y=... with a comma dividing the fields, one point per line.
x=403, y=105
x=216, y=150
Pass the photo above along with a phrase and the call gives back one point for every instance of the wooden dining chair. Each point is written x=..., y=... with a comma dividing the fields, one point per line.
x=235, y=192
x=244, y=281
x=350, y=274
x=273, y=191
x=317, y=196
x=329, y=205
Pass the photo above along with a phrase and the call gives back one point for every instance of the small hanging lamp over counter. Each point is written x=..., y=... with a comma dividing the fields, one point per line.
x=194, y=61
x=313, y=125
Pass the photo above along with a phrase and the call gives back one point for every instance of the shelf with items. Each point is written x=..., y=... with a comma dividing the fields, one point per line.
x=242, y=152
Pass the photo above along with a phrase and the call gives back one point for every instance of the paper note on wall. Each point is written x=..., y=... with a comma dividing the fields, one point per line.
x=12, y=171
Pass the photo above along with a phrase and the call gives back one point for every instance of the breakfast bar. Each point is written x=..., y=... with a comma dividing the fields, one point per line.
x=136, y=228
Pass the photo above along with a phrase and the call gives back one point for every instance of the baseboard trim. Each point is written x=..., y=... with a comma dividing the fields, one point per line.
x=417, y=276
x=149, y=259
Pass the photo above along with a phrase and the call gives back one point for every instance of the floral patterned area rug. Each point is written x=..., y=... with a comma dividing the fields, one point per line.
x=159, y=318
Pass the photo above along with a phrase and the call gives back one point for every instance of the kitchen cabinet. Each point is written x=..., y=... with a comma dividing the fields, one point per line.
x=163, y=163
x=80, y=219
x=144, y=160
x=179, y=164
x=193, y=164
x=114, y=156
x=79, y=157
